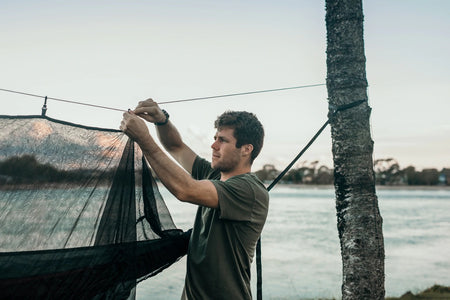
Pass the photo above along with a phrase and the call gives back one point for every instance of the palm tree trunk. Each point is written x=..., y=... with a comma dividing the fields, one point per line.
x=358, y=218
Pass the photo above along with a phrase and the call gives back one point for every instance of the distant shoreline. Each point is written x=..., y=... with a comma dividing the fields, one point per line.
x=414, y=187
x=378, y=187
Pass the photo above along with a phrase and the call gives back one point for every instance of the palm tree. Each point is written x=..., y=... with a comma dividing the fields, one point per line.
x=358, y=218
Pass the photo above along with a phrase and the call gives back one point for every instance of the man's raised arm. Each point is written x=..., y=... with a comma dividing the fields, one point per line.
x=167, y=133
x=176, y=180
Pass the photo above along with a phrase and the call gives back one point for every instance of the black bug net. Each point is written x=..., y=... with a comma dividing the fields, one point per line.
x=81, y=216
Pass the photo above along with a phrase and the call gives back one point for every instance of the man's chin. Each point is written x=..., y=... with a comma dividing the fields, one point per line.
x=214, y=164
x=216, y=167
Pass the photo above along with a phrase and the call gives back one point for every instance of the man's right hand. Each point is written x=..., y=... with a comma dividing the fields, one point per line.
x=150, y=111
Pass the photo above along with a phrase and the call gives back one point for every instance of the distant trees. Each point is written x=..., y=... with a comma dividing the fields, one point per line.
x=307, y=173
x=267, y=173
x=425, y=177
x=26, y=169
x=387, y=172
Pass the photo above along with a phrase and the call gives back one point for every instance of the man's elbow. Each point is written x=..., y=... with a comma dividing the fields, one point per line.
x=174, y=148
x=195, y=196
x=181, y=195
x=185, y=192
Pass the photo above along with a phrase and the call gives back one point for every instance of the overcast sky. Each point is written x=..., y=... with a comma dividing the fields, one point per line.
x=116, y=53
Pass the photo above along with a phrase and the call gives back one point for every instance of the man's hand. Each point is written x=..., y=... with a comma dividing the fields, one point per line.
x=150, y=111
x=134, y=127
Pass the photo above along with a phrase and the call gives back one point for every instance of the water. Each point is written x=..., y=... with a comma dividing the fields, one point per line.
x=300, y=245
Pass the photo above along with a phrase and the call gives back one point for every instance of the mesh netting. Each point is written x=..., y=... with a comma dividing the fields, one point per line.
x=81, y=216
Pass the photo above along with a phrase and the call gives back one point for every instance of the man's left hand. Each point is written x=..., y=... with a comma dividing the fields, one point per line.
x=134, y=127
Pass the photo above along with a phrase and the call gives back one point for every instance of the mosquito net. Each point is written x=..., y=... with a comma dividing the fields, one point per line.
x=81, y=216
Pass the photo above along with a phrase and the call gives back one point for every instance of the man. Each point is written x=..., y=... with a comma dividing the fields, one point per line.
x=233, y=202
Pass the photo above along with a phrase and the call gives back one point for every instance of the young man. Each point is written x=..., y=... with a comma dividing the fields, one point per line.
x=233, y=202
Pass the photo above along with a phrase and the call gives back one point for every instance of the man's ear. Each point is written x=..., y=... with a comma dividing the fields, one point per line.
x=246, y=149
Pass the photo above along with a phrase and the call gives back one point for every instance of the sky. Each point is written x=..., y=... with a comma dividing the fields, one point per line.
x=117, y=53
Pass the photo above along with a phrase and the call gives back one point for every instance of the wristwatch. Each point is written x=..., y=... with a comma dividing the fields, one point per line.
x=166, y=120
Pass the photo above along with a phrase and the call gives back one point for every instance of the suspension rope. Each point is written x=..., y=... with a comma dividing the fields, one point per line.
x=244, y=93
x=62, y=100
x=333, y=110
x=165, y=102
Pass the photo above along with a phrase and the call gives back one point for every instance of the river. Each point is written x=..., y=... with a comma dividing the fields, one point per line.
x=300, y=245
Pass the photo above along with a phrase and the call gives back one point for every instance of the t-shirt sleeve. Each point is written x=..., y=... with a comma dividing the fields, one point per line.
x=201, y=169
x=237, y=199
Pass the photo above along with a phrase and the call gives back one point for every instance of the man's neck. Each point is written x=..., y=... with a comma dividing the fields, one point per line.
x=227, y=175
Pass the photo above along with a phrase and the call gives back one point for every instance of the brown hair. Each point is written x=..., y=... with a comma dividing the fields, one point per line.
x=247, y=129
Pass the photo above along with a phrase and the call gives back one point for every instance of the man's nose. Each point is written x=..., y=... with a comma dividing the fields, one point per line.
x=214, y=145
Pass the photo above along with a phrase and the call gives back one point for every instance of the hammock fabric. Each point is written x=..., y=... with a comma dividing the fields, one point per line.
x=81, y=216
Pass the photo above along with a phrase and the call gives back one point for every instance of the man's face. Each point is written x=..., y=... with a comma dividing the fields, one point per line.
x=225, y=155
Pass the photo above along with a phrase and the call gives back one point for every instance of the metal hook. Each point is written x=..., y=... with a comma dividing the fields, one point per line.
x=44, y=107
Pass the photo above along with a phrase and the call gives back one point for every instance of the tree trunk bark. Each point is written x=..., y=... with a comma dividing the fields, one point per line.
x=358, y=217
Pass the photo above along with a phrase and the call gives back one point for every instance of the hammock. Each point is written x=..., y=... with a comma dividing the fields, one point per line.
x=81, y=216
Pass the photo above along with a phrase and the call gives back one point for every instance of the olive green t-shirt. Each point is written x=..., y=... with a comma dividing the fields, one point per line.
x=223, y=240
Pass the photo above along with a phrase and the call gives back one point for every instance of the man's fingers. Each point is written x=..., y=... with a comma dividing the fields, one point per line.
x=142, y=110
x=126, y=117
x=148, y=113
x=148, y=110
x=146, y=103
x=123, y=126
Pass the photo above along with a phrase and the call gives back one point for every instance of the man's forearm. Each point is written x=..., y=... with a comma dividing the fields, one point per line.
x=173, y=143
x=175, y=178
x=169, y=136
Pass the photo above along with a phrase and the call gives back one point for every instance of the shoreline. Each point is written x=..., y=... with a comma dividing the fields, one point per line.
x=435, y=292
x=377, y=187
